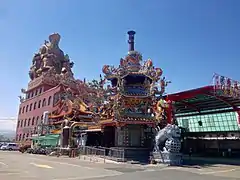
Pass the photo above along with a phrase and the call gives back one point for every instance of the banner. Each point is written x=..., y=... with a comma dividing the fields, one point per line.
x=225, y=86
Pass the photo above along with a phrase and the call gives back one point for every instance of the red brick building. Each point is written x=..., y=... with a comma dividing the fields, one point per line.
x=49, y=74
x=31, y=110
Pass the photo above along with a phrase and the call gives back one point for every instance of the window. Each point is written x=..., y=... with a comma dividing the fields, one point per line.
x=21, y=124
x=56, y=98
x=20, y=109
x=220, y=122
x=18, y=124
x=20, y=137
x=25, y=123
x=49, y=100
x=29, y=121
x=27, y=108
x=23, y=138
x=35, y=105
x=37, y=123
x=12, y=145
x=44, y=102
x=36, y=92
x=40, y=90
x=32, y=94
x=23, y=109
x=33, y=121
x=39, y=104
x=30, y=108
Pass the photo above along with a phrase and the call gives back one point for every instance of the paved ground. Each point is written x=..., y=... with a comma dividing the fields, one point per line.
x=18, y=166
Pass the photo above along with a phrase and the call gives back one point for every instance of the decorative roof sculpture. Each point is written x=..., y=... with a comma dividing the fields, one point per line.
x=50, y=58
x=138, y=86
x=132, y=64
x=51, y=66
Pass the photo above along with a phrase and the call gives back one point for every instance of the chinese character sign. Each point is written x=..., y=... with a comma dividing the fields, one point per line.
x=226, y=86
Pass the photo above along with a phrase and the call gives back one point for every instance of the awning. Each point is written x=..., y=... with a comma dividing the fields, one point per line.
x=203, y=101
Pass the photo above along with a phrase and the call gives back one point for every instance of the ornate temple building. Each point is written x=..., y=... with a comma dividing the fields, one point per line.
x=50, y=74
x=120, y=110
x=126, y=106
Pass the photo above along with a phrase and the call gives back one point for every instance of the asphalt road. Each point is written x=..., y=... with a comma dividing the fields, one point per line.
x=18, y=166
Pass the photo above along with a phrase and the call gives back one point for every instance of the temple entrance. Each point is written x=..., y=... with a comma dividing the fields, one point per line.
x=136, y=140
x=109, y=136
x=135, y=136
x=94, y=138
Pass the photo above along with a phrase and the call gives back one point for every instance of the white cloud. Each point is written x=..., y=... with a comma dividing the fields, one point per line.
x=8, y=125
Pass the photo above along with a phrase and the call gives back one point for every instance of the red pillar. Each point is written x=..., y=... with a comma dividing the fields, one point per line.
x=169, y=111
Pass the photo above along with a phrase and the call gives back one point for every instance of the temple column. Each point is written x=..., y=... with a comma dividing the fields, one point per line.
x=119, y=136
x=126, y=136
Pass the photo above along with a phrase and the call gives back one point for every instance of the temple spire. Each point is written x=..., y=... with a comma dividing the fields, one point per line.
x=131, y=40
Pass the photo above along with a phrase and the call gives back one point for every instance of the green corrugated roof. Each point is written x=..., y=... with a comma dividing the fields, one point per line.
x=47, y=140
x=48, y=136
x=52, y=136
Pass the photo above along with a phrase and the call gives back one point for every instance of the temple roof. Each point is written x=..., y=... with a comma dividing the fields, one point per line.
x=132, y=64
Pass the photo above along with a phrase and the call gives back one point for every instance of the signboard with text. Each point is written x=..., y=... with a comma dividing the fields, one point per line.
x=226, y=87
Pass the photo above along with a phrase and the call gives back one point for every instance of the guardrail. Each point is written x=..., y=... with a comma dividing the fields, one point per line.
x=114, y=154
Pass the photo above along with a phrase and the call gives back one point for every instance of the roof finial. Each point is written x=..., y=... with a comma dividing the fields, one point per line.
x=131, y=40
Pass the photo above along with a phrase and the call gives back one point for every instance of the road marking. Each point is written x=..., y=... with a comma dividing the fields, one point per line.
x=215, y=172
x=201, y=173
x=62, y=163
x=42, y=165
x=88, y=177
x=7, y=174
x=169, y=168
x=3, y=164
x=149, y=170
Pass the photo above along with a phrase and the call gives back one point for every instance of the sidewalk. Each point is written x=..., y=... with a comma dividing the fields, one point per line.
x=193, y=160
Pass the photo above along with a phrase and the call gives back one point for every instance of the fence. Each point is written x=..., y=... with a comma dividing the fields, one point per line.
x=115, y=154
x=92, y=152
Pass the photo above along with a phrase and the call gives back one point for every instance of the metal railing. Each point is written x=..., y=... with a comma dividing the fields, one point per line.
x=115, y=154
x=92, y=152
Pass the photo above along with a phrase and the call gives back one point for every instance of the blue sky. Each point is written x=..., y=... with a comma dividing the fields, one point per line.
x=188, y=39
